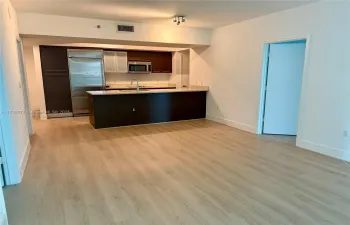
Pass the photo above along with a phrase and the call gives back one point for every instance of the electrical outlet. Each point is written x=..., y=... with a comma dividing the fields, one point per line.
x=345, y=133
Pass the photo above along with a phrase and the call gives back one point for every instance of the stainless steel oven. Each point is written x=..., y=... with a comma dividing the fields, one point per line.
x=139, y=67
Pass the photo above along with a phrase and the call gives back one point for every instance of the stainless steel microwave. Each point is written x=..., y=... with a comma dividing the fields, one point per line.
x=139, y=67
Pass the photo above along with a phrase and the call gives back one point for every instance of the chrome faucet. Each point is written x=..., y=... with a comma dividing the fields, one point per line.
x=137, y=84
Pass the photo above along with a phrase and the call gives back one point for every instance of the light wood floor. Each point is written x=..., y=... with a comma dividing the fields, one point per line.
x=192, y=172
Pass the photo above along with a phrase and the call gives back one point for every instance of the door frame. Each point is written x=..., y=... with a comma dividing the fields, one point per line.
x=3, y=211
x=25, y=91
x=264, y=77
x=4, y=154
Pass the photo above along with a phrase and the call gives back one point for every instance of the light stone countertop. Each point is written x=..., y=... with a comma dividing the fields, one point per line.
x=146, y=85
x=149, y=91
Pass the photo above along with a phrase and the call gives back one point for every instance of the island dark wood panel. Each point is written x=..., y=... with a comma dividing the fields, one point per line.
x=132, y=109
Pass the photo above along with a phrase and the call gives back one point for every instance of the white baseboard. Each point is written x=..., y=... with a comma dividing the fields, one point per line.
x=24, y=160
x=36, y=114
x=59, y=115
x=234, y=124
x=308, y=145
x=323, y=149
x=43, y=116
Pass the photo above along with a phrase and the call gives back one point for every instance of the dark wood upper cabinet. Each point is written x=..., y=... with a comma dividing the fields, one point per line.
x=55, y=71
x=139, y=56
x=54, y=58
x=161, y=61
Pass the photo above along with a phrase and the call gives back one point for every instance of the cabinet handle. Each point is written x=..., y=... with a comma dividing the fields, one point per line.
x=133, y=109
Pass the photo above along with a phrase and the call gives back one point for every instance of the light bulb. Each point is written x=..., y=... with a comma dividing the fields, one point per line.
x=179, y=19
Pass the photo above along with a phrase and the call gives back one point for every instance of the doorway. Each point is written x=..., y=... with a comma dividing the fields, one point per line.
x=281, y=87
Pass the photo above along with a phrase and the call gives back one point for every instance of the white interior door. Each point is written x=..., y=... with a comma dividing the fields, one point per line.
x=283, y=89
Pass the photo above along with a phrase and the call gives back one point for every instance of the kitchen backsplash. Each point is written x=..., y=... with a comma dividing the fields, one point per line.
x=125, y=78
x=121, y=78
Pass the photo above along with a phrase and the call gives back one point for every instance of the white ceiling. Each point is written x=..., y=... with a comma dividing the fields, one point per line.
x=200, y=13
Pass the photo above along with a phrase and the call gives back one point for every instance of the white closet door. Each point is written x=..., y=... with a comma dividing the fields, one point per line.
x=284, y=80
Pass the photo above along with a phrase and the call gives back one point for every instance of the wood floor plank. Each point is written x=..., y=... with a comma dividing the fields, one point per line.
x=183, y=173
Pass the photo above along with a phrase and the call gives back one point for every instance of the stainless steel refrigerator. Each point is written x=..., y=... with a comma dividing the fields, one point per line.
x=86, y=74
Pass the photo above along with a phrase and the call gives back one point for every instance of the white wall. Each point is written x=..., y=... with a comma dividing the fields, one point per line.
x=39, y=82
x=13, y=124
x=35, y=80
x=51, y=25
x=232, y=67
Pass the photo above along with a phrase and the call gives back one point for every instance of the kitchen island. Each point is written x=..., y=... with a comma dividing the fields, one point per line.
x=113, y=108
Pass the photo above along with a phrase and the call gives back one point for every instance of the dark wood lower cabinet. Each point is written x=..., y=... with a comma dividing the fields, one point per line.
x=133, y=109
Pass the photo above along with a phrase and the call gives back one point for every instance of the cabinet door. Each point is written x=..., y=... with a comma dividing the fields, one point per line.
x=141, y=112
x=121, y=61
x=115, y=62
x=167, y=62
x=188, y=105
x=162, y=62
x=54, y=64
x=139, y=56
x=109, y=62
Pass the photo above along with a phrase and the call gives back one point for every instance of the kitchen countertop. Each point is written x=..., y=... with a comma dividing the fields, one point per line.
x=149, y=91
x=144, y=86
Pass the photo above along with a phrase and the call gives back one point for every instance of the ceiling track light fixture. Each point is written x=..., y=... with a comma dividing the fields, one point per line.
x=179, y=19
